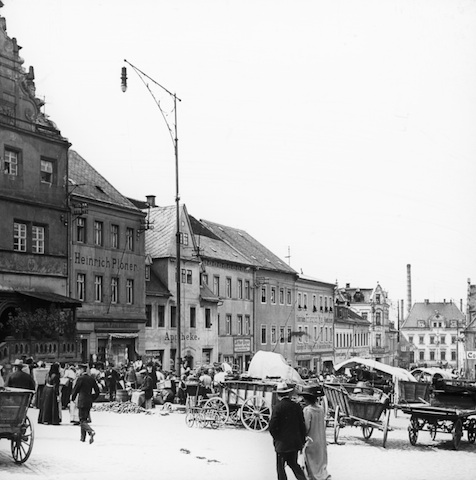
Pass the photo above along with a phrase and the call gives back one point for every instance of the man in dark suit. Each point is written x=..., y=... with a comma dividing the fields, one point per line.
x=19, y=378
x=87, y=390
x=288, y=430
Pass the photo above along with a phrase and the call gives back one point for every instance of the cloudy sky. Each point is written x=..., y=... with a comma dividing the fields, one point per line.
x=340, y=131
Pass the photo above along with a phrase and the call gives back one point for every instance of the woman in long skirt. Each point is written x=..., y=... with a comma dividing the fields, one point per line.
x=315, y=452
x=50, y=411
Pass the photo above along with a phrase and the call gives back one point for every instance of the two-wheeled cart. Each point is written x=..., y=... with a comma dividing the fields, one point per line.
x=14, y=422
x=369, y=411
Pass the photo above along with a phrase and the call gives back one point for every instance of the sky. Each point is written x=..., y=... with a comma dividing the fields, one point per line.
x=341, y=134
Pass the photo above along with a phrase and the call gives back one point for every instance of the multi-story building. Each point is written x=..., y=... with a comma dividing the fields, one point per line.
x=433, y=328
x=352, y=334
x=314, y=350
x=34, y=213
x=468, y=338
x=107, y=273
x=372, y=305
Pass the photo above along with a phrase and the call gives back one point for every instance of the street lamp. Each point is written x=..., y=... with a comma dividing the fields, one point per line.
x=174, y=137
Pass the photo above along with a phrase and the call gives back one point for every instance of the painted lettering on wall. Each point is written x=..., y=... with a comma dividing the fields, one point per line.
x=105, y=262
x=173, y=338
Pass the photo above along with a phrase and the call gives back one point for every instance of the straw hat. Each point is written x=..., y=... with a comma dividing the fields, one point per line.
x=283, y=388
x=312, y=391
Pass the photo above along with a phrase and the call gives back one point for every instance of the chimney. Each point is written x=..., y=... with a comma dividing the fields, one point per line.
x=409, y=288
x=150, y=200
x=347, y=285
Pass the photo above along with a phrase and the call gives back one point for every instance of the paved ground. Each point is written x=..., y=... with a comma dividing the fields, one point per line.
x=161, y=446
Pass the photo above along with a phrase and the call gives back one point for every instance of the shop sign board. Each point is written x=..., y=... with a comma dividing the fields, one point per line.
x=242, y=345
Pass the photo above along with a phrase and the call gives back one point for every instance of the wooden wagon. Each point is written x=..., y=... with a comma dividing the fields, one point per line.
x=364, y=411
x=14, y=422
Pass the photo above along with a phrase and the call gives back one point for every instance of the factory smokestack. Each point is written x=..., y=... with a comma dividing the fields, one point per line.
x=409, y=288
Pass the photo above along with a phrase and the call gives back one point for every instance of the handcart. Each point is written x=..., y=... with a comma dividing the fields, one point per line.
x=14, y=423
x=452, y=410
x=363, y=411
x=200, y=410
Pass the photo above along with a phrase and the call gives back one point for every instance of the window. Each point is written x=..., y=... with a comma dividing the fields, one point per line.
x=247, y=290
x=300, y=334
x=239, y=321
x=281, y=296
x=289, y=300
x=148, y=315
x=378, y=318
x=193, y=317
x=453, y=339
x=173, y=316
x=46, y=171
x=263, y=294
x=114, y=236
x=432, y=339
x=81, y=230
x=421, y=339
x=281, y=335
x=129, y=291
x=325, y=304
x=184, y=275
x=273, y=334
x=19, y=237
x=273, y=295
x=98, y=232
x=314, y=303
x=378, y=340
x=421, y=355
x=130, y=239
x=204, y=279
x=305, y=301
x=264, y=334
x=114, y=290
x=377, y=298
x=365, y=315
x=228, y=287
x=410, y=339
x=98, y=288
x=247, y=325
x=240, y=289
x=216, y=285
x=208, y=318
x=189, y=277
x=10, y=162
x=228, y=324
x=432, y=355
x=183, y=238
x=80, y=286
x=299, y=300
x=161, y=316
x=306, y=333
x=453, y=355
x=38, y=239
x=289, y=335
x=443, y=355
x=147, y=273
x=443, y=339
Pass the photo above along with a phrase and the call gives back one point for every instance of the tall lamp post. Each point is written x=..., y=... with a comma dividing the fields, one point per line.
x=173, y=135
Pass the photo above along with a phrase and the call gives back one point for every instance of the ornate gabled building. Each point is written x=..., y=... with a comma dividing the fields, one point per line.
x=34, y=212
x=433, y=329
x=372, y=305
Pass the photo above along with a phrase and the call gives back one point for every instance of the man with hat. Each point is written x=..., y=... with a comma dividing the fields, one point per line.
x=19, y=378
x=148, y=387
x=288, y=430
x=315, y=450
x=83, y=389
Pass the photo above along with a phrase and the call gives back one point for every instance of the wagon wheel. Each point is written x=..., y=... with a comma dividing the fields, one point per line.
x=386, y=427
x=255, y=414
x=336, y=424
x=367, y=431
x=200, y=419
x=413, y=430
x=457, y=433
x=22, y=443
x=472, y=431
x=190, y=418
x=432, y=430
x=221, y=408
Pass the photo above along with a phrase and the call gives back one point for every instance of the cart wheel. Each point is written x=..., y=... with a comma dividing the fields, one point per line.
x=189, y=418
x=386, y=427
x=413, y=430
x=457, y=433
x=22, y=444
x=367, y=431
x=220, y=407
x=432, y=430
x=200, y=419
x=255, y=414
x=472, y=431
x=336, y=425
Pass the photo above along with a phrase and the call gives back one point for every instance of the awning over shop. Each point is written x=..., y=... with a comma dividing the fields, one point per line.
x=51, y=297
x=123, y=335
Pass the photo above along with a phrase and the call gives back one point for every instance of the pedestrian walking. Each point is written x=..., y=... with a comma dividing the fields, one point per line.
x=288, y=430
x=315, y=451
x=86, y=390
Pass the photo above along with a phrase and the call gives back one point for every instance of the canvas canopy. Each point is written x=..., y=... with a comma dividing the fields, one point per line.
x=270, y=364
x=397, y=373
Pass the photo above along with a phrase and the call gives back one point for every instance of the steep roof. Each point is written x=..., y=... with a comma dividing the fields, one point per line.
x=156, y=287
x=160, y=242
x=430, y=310
x=256, y=253
x=85, y=181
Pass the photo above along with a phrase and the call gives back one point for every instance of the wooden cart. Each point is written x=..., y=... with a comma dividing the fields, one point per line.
x=14, y=422
x=356, y=411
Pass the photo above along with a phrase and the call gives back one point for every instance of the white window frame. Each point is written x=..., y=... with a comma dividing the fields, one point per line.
x=19, y=236
x=130, y=291
x=98, y=288
x=38, y=239
x=81, y=286
x=10, y=162
x=114, y=290
x=46, y=171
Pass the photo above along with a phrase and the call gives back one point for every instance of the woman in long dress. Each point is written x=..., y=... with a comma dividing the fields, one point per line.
x=315, y=452
x=50, y=411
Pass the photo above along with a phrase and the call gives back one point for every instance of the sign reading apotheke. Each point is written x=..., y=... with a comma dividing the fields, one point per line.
x=105, y=262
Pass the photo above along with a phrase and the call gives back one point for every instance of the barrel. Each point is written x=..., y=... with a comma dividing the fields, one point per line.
x=122, y=396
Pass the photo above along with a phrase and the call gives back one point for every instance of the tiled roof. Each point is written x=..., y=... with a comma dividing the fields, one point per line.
x=257, y=254
x=160, y=242
x=154, y=286
x=85, y=181
x=429, y=310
